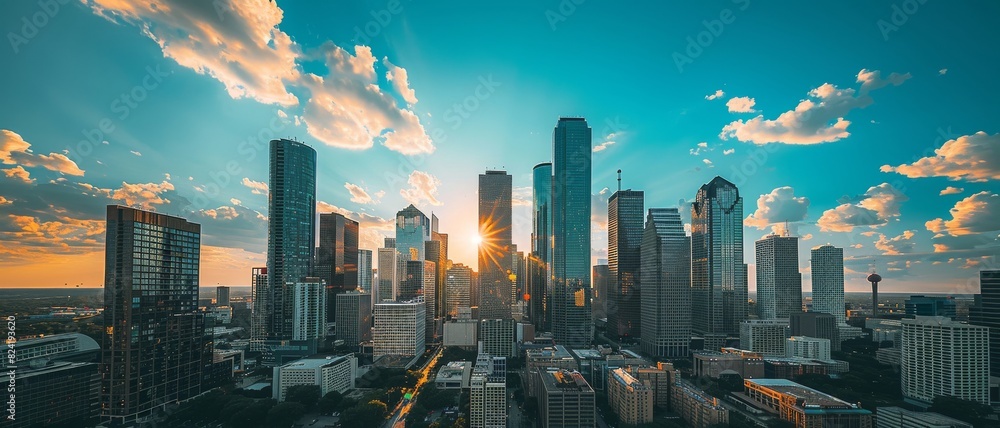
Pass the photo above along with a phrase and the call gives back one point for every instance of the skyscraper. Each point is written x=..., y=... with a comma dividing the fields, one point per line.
x=434, y=251
x=779, y=283
x=222, y=296
x=495, y=244
x=259, y=321
x=399, y=328
x=354, y=317
x=419, y=281
x=941, y=357
x=666, y=290
x=540, y=259
x=718, y=274
x=459, y=286
x=989, y=290
x=413, y=228
x=388, y=278
x=519, y=274
x=625, y=226
x=291, y=228
x=572, y=323
x=337, y=257
x=827, y=266
x=365, y=270
x=601, y=278
x=309, y=309
x=154, y=347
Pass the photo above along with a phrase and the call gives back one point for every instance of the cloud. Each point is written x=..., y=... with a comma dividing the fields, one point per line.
x=708, y=162
x=874, y=208
x=18, y=173
x=778, y=206
x=521, y=196
x=817, y=119
x=718, y=94
x=741, y=105
x=857, y=246
x=943, y=71
x=15, y=151
x=423, y=187
x=373, y=229
x=896, y=245
x=400, y=82
x=134, y=152
x=702, y=147
x=951, y=191
x=141, y=195
x=609, y=140
x=359, y=195
x=256, y=187
x=975, y=214
x=971, y=157
x=348, y=109
x=728, y=152
x=5, y=201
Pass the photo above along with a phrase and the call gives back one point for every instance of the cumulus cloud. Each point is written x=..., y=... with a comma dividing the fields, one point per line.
x=874, y=208
x=423, y=187
x=373, y=229
x=521, y=196
x=18, y=173
x=702, y=147
x=708, y=162
x=609, y=140
x=256, y=187
x=778, y=206
x=741, y=105
x=141, y=195
x=951, y=190
x=718, y=94
x=971, y=157
x=15, y=151
x=400, y=82
x=897, y=244
x=975, y=214
x=728, y=152
x=817, y=119
x=5, y=201
x=358, y=194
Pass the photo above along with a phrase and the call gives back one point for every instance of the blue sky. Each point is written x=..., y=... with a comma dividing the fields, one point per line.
x=191, y=91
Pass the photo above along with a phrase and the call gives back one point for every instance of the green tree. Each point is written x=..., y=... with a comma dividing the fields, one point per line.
x=307, y=395
x=285, y=414
x=963, y=410
x=330, y=401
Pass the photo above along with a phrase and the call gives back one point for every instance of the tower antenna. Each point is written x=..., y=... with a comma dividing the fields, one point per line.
x=619, y=180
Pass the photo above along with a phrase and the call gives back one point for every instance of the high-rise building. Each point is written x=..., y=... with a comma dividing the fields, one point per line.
x=718, y=274
x=519, y=275
x=930, y=306
x=365, y=270
x=413, y=228
x=329, y=374
x=498, y=337
x=388, y=276
x=540, y=260
x=666, y=293
x=419, y=281
x=291, y=228
x=458, y=285
x=337, y=257
x=488, y=393
x=309, y=306
x=222, y=296
x=625, y=227
x=399, y=328
x=807, y=347
x=779, y=283
x=989, y=314
x=354, y=317
x=260, y=299
x=827, y=266
x=151, y=318
x=764, y=336
x=572, y=322
x=631, y=399
x=565, y=399
x=495, y=244
x=816, y=324
x=435, y=251
x=942, y=357
x=601, y=277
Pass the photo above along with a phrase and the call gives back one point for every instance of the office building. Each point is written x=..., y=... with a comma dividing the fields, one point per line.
x=779, y=283
x=365, y=271
x=337, y=257
x=565, y=399
x=454, y=375
x=329, y=374
x=601, y=278
x=495, y=244
x=989, y=315
x=630, y=399
x=764, y=336
x=696, y=407
x=151, y=318
x=712, y=364
x=488, y=393
x=308, y=309
x=55, y=393
x=354, y=318
x=666, y=278
x=222, y=296
x=498, y=337
x=540, y=259
x=291, y=229
x=71, y=347
x=519, y=276
x=388, y=277
x=419, y=280
x=413, y=228
x=436, y=250
x=827, y=266
x=816, y=324
x=930, y=306
x=259, y=319
x=458, y=284
x=805, y=407
x=942, y=357
x=898, y=417
x=399, y=328
x=572, y=322
x=625, y=229
x=660, y=378
x=718, y=274
x=807, y=347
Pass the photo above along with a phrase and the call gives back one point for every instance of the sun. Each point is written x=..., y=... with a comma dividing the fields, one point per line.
x=476, y=239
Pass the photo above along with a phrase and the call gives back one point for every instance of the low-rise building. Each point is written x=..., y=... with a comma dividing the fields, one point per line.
x=631, y=399
x=330, y=374
x=696, y=407
x=712, y=363
x=660, y=378
x=765, y=336
x=895, y=417
x=454, y=375
x=565, y=399
x=803, y=406
x=807, y=347
x=463, y=334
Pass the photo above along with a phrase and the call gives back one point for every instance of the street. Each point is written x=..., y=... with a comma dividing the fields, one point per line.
x=398, y=419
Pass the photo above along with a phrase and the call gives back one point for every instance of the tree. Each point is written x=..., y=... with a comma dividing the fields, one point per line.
x=459, y=423
x=963, y=410
x=285, y=414
x=370, y=414
x=330, y=401
x=307, y=395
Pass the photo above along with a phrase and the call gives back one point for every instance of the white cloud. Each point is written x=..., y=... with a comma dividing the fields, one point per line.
x=609, y=140
x=256, y=187
x=778, y=206
x=741, y=105
x=728, y=152
x=975, y=214
x=708, y=162
x=134, y=152
x=358, y=194
x=950, y=190
x=943, y=71
x=971, y=157
x=874, y=208
x=718, y=94
x=423, y=187
x=400, y=82
x=15, y=151
x=896, y=245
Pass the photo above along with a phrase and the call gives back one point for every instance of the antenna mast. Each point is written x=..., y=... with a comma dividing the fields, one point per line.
x=619, y=180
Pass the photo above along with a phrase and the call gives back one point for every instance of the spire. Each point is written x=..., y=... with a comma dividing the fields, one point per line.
x=619, y=180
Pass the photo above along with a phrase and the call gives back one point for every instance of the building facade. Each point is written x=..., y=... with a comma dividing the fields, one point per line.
x=540, y=258
x=989, y=314
x=413, y=228
x=388, y=276
x=816, y=324
x=458, y=286
x=764, y=336
x=330, y=374
x=631, y=399
x=495, y=244
x=779, y=283
x=498, y=337
x=827, y=266
x=942, y=357
x=309, y=307
x=399, y=328
x=488, y=393
x=666, y=295
x=625, y=229
x=805, y=407
x=354, y=324
x=365, y=270
x=565, y=399
x=807, y=347
x=696, y=407
x=337, y=257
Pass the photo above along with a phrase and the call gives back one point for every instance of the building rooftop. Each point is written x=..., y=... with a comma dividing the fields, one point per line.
x=557, y=351
x=452, y=370
x=938, y=321
x=625, y=378
x=314, y=363
x=590, y=354
x=807, y=398
x=565, y=380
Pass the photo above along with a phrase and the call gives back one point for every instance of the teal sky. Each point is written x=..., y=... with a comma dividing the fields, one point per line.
x=852, y=118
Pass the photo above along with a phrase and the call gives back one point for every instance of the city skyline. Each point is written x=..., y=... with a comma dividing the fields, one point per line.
x=719, y=124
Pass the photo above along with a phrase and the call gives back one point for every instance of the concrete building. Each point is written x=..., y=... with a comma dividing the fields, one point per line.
x=458, y=285
x=897, y=417
x=365, y=271
x=59, y=393
x=222, y=296
x=827, y=265
x=330, y=374
x=942, y=357
x=807, y=347
x=805, y=407
x=399, y=328
x=660, y=378
x=498, y=337
x=419, y=281
x=713, y=363
x=666, y=291
x=308, y=309
x=259, y=313
x=388, y=274
x=764, y=336
x=463, y=334
x=354, y=317
x=630, y=399
x=779, y=283
x=696, y=407
x=565, y=400
x=454, y=375
x=989, y=314
x=816, y=324
x=488, y=393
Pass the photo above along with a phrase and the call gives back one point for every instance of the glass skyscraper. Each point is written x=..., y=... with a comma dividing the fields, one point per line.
x=827, y=268
x=337, y=258
x=666, y=285
x=154, y=347
x=413, y=228
x=625, y=225
x=495, y=244
x=291, y=228
x=718, y=274
x=779, y=283
x=572, y=322
x=540, y=259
